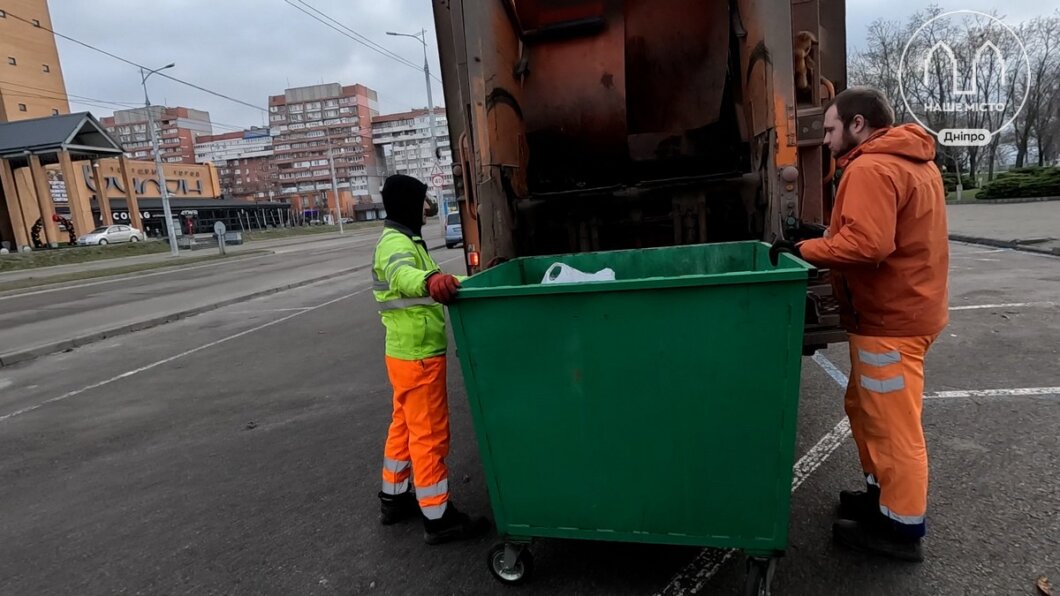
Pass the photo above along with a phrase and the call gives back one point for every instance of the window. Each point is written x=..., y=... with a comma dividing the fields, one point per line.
x=11, y=60
x=22, y=107
x=3, y=15
x=45, y=68
x=36, y=23
x=55, y=111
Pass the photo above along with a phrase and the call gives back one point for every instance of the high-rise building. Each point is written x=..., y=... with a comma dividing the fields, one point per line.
x=404, y=143
x=244, y=163
x=177, y=128
x=31, y=80
x=314, y=124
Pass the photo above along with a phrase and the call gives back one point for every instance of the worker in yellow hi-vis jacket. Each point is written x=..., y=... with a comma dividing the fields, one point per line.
x=410, y=290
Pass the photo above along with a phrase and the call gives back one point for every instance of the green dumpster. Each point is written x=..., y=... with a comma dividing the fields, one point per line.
x=657, y=408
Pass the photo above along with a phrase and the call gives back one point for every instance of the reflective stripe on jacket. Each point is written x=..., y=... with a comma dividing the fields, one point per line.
x=415, y=324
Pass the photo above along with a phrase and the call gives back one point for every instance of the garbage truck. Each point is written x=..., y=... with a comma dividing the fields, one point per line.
x=594, y=125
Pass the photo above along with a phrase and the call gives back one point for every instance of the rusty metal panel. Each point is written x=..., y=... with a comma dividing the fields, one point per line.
x=575, y=107
x=675, y=63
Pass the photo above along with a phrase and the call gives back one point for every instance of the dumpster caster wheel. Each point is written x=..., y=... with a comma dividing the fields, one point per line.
x=759, y=576
x=511, y=564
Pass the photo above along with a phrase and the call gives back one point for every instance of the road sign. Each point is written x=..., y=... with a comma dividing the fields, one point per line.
x=220, y=229
x=437, y=180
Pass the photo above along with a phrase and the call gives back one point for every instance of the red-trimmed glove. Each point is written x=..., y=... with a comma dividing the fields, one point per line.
x=443, y=287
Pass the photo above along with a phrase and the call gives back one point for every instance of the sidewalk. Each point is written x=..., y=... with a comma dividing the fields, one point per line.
x=1027, y=226
x=103, y=264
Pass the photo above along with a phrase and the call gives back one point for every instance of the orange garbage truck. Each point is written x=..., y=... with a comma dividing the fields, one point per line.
x=589, y=125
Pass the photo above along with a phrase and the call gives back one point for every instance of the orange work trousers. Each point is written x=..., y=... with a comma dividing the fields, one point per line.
x=884, y=400
x=418, y=439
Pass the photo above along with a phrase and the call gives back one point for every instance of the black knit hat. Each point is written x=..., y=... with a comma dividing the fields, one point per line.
x=403, y=198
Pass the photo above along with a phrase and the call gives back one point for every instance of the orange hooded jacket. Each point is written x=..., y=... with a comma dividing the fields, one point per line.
x=887, y=243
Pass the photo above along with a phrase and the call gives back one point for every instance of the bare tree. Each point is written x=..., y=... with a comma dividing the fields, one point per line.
x=1044, y=98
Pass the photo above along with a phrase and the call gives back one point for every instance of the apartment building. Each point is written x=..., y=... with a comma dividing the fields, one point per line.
x=310, y=126
x=178, y=130
x=244, y=163
x=403, y=144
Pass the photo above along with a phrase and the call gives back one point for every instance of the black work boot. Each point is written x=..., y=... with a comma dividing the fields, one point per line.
x=859, y=504
x=397, y=508
x=453, y=525
x=876, y=538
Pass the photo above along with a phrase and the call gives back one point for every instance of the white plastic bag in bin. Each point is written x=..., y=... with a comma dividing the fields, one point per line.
x=559, y=273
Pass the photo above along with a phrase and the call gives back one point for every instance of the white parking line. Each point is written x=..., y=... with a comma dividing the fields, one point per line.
x=1005, y=305
x=694, y=576
x=1020, y=392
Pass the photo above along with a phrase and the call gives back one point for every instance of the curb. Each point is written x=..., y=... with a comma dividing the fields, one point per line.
x=69, y=344
x=264, y=252
x=1010, y=244
x=1007, y=201
x=14, y=358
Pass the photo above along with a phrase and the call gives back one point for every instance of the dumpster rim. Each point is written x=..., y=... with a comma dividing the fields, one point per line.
x=645, y=283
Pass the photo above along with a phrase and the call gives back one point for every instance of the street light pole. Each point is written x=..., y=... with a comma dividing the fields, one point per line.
x=335, y=188
x=164, y=191
x=422, y=38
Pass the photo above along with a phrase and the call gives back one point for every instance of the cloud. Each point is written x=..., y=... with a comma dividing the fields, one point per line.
x=250, y=49
x=246, y=49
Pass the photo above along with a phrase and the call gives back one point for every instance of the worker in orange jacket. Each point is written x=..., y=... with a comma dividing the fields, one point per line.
x=888, y=251
x=410, y=290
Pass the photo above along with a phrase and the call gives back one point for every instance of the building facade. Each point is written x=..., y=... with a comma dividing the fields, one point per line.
x=403, y=144
x=244, y=163
x=31, y=79
x=310, y=126
x=178, y=130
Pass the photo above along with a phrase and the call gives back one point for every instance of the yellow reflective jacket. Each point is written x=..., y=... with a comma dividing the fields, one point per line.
x=415, y=324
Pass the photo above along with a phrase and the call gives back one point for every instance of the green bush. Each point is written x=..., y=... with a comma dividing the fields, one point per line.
x=1023, y=183
x=949, y=179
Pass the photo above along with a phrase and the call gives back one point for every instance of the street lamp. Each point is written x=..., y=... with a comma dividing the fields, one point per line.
x=422, y=38
x=170, y=232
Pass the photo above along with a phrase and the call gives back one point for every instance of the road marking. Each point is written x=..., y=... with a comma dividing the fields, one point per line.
x=158, y=363
x=833, y=371
x=266, y=310
x=1006, y=305
x=694, y=576
x=1020, y=392
x=5, y=383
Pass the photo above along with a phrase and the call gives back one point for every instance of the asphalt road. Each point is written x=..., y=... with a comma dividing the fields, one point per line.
x=43, y=317
x=237, y=452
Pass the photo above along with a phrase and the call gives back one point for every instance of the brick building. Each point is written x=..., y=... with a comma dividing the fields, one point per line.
x=244, y=163
x=31, y=80
x=178, y=130
x=309, y=125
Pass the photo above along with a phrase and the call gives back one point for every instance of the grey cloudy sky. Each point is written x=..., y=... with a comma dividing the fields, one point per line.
x=250, y=49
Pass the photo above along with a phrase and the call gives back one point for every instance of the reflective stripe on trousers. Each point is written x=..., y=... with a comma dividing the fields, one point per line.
x=419, y=429
x=883, y=401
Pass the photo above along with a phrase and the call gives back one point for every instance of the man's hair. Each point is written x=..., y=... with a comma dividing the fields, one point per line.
x=869, y=102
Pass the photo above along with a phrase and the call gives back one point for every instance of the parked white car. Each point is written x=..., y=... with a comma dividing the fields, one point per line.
x=111, y=235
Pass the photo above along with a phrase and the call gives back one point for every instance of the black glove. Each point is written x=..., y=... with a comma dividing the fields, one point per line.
x=808, y=231
x=781, y=245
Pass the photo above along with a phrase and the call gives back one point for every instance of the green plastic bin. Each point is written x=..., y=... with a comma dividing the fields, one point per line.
x=658, y=408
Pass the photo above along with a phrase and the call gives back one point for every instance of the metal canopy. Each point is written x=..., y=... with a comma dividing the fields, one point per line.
x=79, y=134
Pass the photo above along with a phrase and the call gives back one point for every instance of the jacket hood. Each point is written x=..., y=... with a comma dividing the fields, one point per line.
x=910, y=141
x=403, y=198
